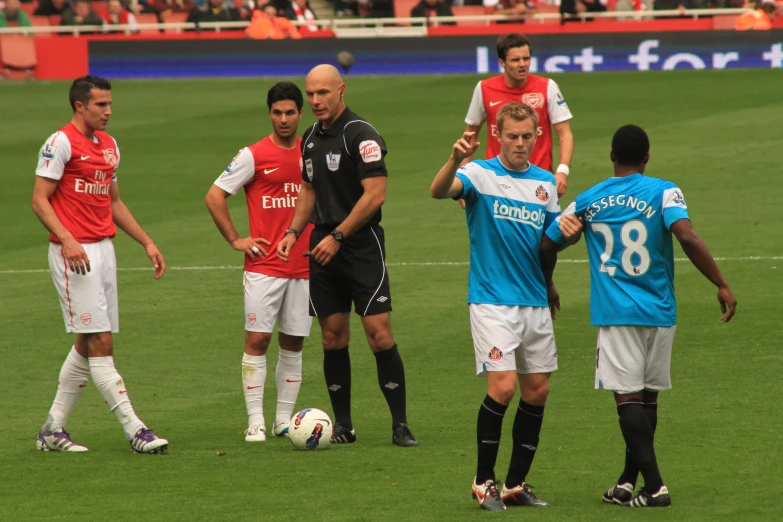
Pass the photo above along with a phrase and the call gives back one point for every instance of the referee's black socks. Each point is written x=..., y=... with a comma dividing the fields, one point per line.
x=639, y=434
x=391, y=378
x=337, y=372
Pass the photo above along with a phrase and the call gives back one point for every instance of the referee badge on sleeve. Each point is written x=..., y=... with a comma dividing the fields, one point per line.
x=309, y=169
x=333, y=161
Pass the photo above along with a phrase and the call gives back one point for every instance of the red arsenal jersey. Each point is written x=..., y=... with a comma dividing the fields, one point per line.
x=541, y=94
x=84, y=170
x=272, y=178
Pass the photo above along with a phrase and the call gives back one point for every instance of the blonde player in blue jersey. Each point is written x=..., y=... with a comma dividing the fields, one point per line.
x=509, y=204
x=630, y=219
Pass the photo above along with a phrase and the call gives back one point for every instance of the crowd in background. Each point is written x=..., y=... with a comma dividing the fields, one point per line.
x=277, y=19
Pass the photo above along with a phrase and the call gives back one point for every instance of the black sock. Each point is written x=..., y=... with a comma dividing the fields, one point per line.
x=337, y=372
x=527, y=427
x=488, y=428
x=638, y=434
x=391, y=378
x=631, y=470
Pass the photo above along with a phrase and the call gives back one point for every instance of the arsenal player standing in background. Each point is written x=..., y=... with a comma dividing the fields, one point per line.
x=271, y=173
x=77, y=198
x=516, y=84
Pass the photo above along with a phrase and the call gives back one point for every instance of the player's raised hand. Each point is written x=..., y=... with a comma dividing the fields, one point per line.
x=285, y=246
x=728, y=304
x=157, y=260
x=465, y=146
x=77, y=258
x=554, y=300
x=571, y=227
x=251, y=246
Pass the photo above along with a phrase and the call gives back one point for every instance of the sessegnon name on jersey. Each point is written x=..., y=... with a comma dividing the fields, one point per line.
x=620, y=200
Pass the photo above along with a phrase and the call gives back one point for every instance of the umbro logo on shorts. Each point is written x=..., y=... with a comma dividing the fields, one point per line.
x=382, y=299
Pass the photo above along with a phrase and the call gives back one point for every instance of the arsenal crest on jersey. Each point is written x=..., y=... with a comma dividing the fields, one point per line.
x=534, y=100
x=109, y=157
x=542, y=194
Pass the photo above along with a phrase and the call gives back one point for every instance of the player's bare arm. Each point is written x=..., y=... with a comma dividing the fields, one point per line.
x=446, y=184
x=302, y=212
x=368, y=205
x=123, y=218
x=696, y=250
x=72, y=249
x=566, y=139
x=571, y=226
x=548, y=256
x=218, y=209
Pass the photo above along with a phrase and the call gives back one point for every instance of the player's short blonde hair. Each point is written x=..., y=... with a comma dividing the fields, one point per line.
x=517, y=111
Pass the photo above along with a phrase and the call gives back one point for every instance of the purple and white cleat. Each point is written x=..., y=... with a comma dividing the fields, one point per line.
x=57, y=440
x=147, y=442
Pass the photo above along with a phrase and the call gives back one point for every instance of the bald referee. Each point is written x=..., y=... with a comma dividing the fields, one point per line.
x=343, y=189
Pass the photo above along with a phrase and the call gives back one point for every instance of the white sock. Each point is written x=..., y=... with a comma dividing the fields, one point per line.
x=253, y=378
x=288, y=377
x=73, y=379
x=109, y=382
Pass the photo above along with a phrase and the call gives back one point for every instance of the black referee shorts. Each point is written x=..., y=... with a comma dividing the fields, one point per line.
x=356, y=274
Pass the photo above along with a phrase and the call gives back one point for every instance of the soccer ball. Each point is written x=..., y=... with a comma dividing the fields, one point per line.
x=310, y=429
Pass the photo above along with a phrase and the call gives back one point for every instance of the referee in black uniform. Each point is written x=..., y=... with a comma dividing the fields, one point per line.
x=343, y=189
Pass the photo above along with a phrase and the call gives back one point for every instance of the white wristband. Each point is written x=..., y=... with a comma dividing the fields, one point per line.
x=564, y=169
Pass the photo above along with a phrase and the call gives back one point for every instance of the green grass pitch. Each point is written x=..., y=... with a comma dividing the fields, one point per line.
x=715, y=133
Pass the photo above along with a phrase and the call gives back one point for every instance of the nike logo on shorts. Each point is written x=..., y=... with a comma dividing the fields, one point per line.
x=253, y=387
x=293, y=380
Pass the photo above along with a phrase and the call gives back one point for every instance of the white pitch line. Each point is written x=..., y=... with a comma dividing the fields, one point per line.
x=412, y=263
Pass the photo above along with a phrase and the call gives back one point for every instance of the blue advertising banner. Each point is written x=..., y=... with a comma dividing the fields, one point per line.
x=435, y=55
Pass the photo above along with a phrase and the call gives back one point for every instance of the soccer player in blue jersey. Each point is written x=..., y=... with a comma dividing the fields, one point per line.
x=509, y=204
x=628, y=223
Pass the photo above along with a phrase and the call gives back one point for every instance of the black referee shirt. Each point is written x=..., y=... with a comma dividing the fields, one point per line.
x=336, y=160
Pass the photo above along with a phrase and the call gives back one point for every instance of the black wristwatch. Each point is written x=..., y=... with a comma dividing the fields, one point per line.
x=337, y=235
x=292, y=231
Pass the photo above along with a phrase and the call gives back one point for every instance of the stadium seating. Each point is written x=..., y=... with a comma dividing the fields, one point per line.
x=174, y=18
x=29, y=8
x=469, y=10
x=102, y=8
x=402, y=8
x=147, y=18
x=17, y=56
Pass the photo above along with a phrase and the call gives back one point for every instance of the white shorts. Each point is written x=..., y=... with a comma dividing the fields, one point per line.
x=269, y=299
x=89, y=302
x=633, y=358
x=517, y=338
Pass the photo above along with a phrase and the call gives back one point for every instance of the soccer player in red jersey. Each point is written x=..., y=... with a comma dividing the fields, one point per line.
x=76, y=197
x=271, y=173
x=542, y=94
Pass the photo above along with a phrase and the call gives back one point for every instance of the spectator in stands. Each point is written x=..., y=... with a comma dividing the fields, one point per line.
x=51, y=7
x=80, y=13
x=116, y=14
x=430, y=8
x=265, y=24
x=12, y=16
x=570, y=8
x=346, y=8
x=515, y=8
x=172, y=6
x=634, y=5
x=301, y=13
x=378, y=8
x=758, y=20
x=215, y=11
